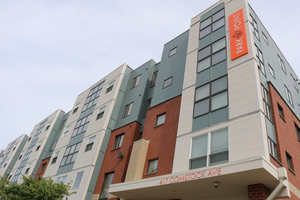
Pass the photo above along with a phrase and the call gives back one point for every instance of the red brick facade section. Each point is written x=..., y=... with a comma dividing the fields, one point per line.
x=162, y=138
x=286, y=136
x=111, y=162
x=40, y=172
x=258, y=192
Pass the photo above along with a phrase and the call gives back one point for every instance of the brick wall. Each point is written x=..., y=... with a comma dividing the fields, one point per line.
x=117, y=165
x=162, y=138
x=286, y=136
x=40, y=172
x=258, y=192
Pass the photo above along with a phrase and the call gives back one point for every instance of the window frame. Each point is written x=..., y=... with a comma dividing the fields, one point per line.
x=93, y=96
x=297, y=131
x=81, y=125
x=157, y=118
x=265, y=38
x=210, y=25
x=155, y=160
x=164, y=85
x=210, y=55
x=135, y=81
x=171, y=52
x=54, y=159
x=260, y=61
x=110, y=86
x=280, y=111
x=108, y=178
x=294, y=82
x=267, y=103
x=154, y=77
x=101, y=112
x=77, y=179
x=118, y=141
x=127, y=110
x=271, y=71
x=76, y=108
x=281, y=64
x=67, y=154
x=289, y=160
x=53, y=145
x=289, y=96
x=254, y=27
x=210, y=97
x=209, y=153
x=273, y=150
x=90, y=143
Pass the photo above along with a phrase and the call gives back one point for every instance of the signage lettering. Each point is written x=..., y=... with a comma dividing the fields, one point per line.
x=191, y=176
x=237, y=31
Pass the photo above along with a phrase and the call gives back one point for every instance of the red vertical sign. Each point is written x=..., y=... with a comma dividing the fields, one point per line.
x=237, y=32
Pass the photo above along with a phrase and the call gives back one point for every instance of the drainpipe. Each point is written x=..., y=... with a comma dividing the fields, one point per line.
x=283, y=182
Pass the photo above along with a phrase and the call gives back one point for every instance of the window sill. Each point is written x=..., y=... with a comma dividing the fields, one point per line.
x=276, y=160
x=115, y=148
x=282, y=118
x=150, y=173
x=292, y=171
x=159, y=125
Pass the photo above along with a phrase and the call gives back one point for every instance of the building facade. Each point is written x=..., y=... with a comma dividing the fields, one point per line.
x=216, y=118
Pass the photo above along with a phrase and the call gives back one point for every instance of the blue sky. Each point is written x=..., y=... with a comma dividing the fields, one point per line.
x=51, y=51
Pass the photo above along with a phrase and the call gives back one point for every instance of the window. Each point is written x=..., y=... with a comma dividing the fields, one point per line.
x=11, y=174
x=152, y=166
x=172, y=51
x=299, y=107
x=211, y=55
x=280, y=110
x=5, y=164
x=294, y=82
x=90, y=143
x=28, y=153
x=289, y=161
x=118, y=141
x=43, y=168
x=29, y=139
x=254, y=27
x=281, y=64
x=66, y=131
x=212, y=23
x=61, y=179
x=53, y=145
x=39, y=131
x=21, y=155
x=82, y=125
x=289, y=96
x=18, y=174
x=105, y=187
x=148, y=104
x=202, y=156
x=101, y=113
x=127, y=110
x=70, y=154
x=55, y=158
x=160, y=119
x=297, y=132
x=211, y=96
x=48, y=126
x=28, y=168
x=267, y=103
x=110, y=86
x=93, y=96
x=260, y=60
x=271, y=70
x=273, y=148
x=135, y=81
x=2, y=155
x=153, y=80
x=77, y=180
x=14, y=148
x=38, y=147
x=168, y=82
x=76, y=108
x=265, y=38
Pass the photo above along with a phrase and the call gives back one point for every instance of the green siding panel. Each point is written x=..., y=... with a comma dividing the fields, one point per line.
x=200, y=122
x=219, y=116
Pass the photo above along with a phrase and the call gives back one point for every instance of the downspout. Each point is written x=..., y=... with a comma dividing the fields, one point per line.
x=283, y=181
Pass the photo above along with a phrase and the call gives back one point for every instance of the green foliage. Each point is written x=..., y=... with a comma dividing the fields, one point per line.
x=34, y=189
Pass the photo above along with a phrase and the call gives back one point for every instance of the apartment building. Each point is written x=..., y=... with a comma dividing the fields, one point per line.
x=216, y=118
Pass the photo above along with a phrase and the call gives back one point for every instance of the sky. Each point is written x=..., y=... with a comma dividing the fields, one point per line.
x=52, y=50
